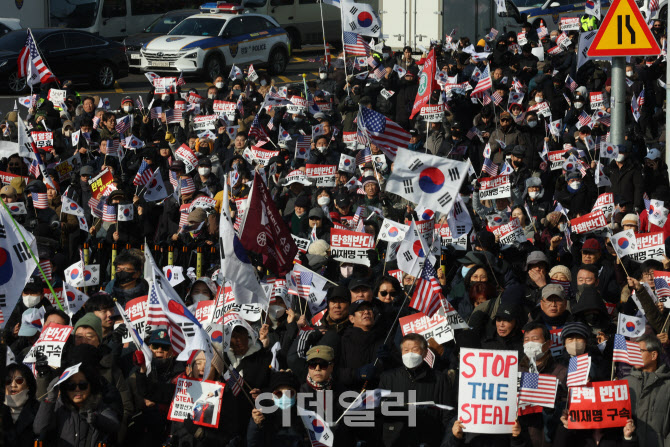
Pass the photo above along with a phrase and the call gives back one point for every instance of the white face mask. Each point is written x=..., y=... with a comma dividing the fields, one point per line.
x=620, y=158
x=347, y=271
x=629, y=74
x=539, y=99
x=219, y=85
x=553, y=38
x=533, y=194
x=127, y=109
x=211, y=96
x=579, y=105
x=323, y=201
x=575, y=185
x=197, y=297
x=165, y=98
x=561, y=226
x=321, y=149
x=323, y=76
x=264, y=82
x=67, y=133
x=368, y=173
x=275, y=311
x=533, y=350
x=203, y=171
x=575, y=347
x=31, y=300
x=532, y=124
x=411, y=360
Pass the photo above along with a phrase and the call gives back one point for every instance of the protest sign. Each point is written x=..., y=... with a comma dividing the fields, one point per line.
x=302, y=243
x=556, y=159
x=556, y=346
x=487, y=390
x=510, y=234
x=7, y=177
x=570, y=24
x=601, y=405
x=250, y=312
x=436, y=327
x=65, y=167
x=165, y=85
x=596, y=100
x=263, y=156
x=204, y=122
x=494, y=188
x=433, y=113
x=605, y=203
x=351, y=246
x=136, y=309
x=197, y=400
x=56, y=96
x=225, y=108
x=446, y=238
x=453, y=318
x=649, y=246
x=185, y=154
x=204, y=310
x=321, y=175
x=43, y=140
x=588, y=222
x=298, y=105
x=50, y=343
x=100, y=182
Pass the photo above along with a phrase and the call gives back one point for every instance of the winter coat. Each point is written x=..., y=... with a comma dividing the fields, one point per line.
x=358, y=348
x=612, y=437
x=626, y=181
x=650, y=405
x=20, y=433
x=272, y=432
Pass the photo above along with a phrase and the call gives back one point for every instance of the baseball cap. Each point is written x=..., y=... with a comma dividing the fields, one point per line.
x=653, y=154
x=159, y=337
x=553, y=290
x=321, y=352
x=359, y=282
x=358, y=305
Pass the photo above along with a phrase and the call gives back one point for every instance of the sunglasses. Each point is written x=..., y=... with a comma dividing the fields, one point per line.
x=505, y=120
x=321, y=365
x=18, y=380
x=81, y=386
x=385, y=292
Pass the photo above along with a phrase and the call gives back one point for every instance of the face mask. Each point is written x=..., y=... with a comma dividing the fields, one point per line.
x=124, y=277
x=321, y=149
x=276, y=311
x=575, y=348
x=17, y=400
x=575, y=185
x=464, y=271
x=127, y=109
x=533, y=195
x=165, y=98
x=629, y=74
x=368, y=173
x=620, y=158
x=386, y=55
x=553, y=38
x=67, y=133
x=236, y=93
x=284, y=402
x=346, y=272
x=533, y=350
x=197, y=297
x=532, y=124
x=411, y=360
x=323, y=76
x=219, y=85
x=203, y=171
x=297, y=119
x=539, y=99
x=579, y=105
x=31, y=300
x=264, y=82
x=211, y=96
x=323, y=201
x=561, y=226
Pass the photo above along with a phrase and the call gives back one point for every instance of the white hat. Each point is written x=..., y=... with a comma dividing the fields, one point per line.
x=653, y=154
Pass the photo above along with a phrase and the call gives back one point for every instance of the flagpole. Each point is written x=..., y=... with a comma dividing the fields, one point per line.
x=44, y=61
x=344, y=52
x=30, y=250
x=323, y=31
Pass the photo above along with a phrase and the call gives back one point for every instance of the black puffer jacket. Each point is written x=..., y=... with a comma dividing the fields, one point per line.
x=626, y=181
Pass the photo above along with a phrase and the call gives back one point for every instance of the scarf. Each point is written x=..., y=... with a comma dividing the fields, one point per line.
x=16, y=402
x=327, y=385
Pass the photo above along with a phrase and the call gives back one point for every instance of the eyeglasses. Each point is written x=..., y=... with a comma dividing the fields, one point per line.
x=383, y=293
x=81, y=386
x=18, y=380
x=321, y=365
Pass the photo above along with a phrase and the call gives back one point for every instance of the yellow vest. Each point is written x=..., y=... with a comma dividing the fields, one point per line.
x=588, y=22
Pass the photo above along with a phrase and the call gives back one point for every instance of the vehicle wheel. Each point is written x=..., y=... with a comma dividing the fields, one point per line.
x=214, y=66
x=15, y=83
x=294, y=37
x=104, y=76
x=277, y=62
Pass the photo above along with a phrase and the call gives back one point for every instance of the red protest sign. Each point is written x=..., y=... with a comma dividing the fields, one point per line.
x=100, y=182
x=588, y=222
x=602, y=405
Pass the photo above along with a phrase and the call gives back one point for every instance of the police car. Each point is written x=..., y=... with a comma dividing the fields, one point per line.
x=207, y=44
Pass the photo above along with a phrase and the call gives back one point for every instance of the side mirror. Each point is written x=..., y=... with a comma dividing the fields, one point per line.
x=554, y=5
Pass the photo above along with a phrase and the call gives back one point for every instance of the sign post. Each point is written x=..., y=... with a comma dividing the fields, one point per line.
x=623, y=32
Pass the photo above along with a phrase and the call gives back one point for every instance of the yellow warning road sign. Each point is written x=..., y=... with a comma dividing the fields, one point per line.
x=624, y=33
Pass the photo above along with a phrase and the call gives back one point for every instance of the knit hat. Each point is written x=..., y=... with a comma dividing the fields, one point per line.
x=631, y=219
x=284, y=379
x=575, y=328
x=561, y=269
x=318, y=247
x=92, y=321
x=552, y=218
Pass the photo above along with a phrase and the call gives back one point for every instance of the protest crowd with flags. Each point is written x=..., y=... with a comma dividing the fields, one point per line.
x=449, y=239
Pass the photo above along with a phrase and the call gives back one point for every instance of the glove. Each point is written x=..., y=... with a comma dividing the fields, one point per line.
x=367, y=372
x=118, y=333
x=169, y=137
x=384, y=352
x=189, y=426
x=52, y=394
x=91, y=417
x=138, y=358
x=42, y=364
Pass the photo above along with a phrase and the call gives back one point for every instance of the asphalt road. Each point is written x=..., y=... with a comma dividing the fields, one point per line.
x=303, y=61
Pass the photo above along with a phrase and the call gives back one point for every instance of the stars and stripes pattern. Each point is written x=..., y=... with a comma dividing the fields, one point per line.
x=378, y=72
x=364, y=156
x=578, y=370
x=187, y=185
x=109, y=214
x=122, y=124
x=489, y=167
x=234, y=381
x=570, y=83
x=257, y=131
x=156, y=113
x=303, y=281
x=30, y=60
x=497, y=98
x=584, y=119
x=382, y=131
x=538, y=389
x=354, y=44
x=627, y=351
x=662, y=287
x=34, y=168
x=144, y=174
x=156, y=317
x=40, y=200
x=484, y=84
x=427, y=297
x=46, y=268
x=640, y=99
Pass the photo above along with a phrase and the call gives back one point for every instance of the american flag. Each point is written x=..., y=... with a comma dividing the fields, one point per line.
x=538, y=389
x=647, y=202
x=180, y=80
x=378, y=72
x=34, y=168
x=303, y=281
x=429, y=358
x=187, y=186
x=473, y=132
x=40, y=200
x=627, y=351
x=303, y=142
x=483, y=85
x=156, y=113
x=570, y=83
x=492, y=34
x=584, y=119
x=602, y=117
x=382, y=131
x=516, y=84
x=173, y=116
x=578, y=370
x=542, y=31
x=427, y=297
x=156, y=317
x=143, y=175
x=109, y=214
x=30, y=62
x=497, y=99
x=96, y=122
x=662, y=287
x=234, y=381
x=123, y=124
x=653, y=7
x=94, y=204
x=354, y=44
x=640, y=99
x=256, y=130
x=489, y=167
x=46, y=268
x=364, y=156
x=487, y=99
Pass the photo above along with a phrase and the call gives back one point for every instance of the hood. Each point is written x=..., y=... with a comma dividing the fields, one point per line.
x=139, y=39
x=589, y=299
x=176, y=43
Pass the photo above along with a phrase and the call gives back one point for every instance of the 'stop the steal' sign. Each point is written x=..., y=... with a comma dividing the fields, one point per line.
x=487, y=390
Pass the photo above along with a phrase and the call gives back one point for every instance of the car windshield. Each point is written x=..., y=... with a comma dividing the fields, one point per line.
x=163, y=25
x=198, y=27
x=13, y=41
x=72, y=14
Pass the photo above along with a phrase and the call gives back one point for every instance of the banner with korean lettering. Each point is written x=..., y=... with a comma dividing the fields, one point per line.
x=556, y=159
x=495, y=188
x=351, y=246
x=649, y=246
x=136, y=309
x=197, y=400
x=446, y=238
x=263, y=156
x=186, y=154
x=596, y=99
x=250, y=312
x=588, y=222
x=487, y=390
x=43, y=140
x=50, y=343
x=452, y=316
x=601, y=405
x=100, y=182
x=7, y=177
x=204, y=122
x=510, y=234
x=225, y=108
x=302, y=243
x=605, y=203
x=556, y=346
x=436, y=327
x=321, y=175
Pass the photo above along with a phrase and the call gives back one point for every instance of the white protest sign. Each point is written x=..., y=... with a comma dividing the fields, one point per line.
x=198, y=400
x=510, y=234
x=495, y=188
x=50, y=343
